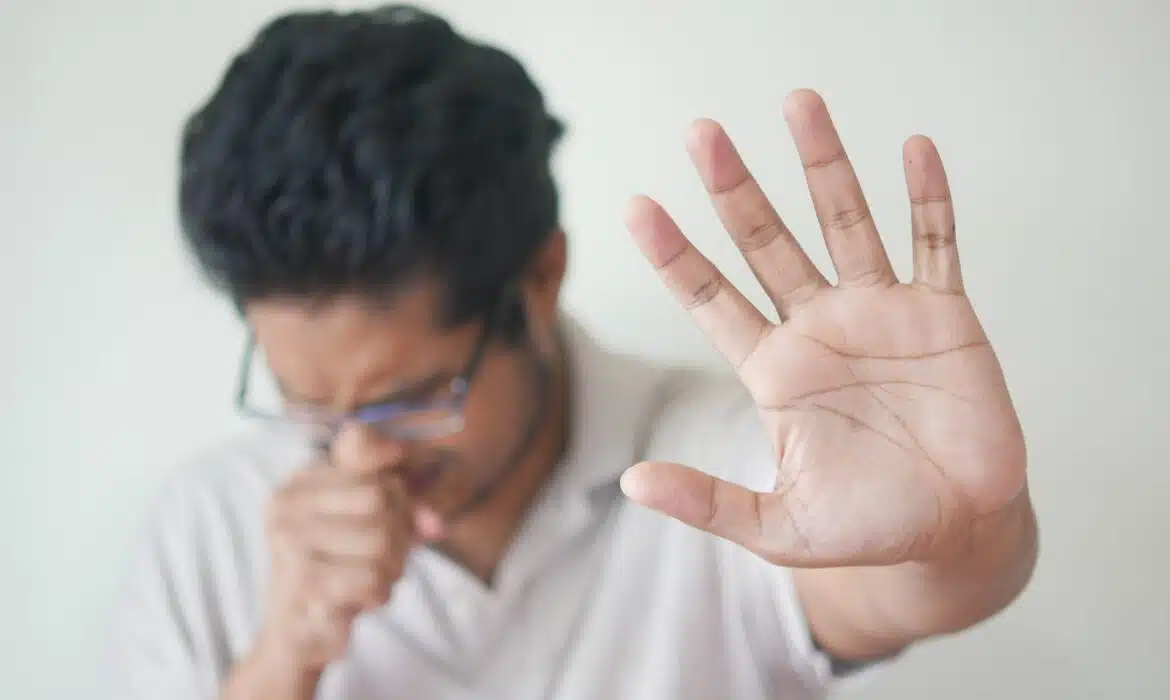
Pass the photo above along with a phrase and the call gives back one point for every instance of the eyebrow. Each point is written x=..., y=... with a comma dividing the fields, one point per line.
x=415, y=390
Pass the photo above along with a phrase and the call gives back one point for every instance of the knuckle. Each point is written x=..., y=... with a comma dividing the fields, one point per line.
x=924, y=201
x=302, y=636
x=288, y=565
x=286, y=545
x=382, y=543
x=868, y=278
x=372, y=500
x=827, y=162
x=734, y=189
x=706, y=292
x=758, y=236
x=393, y=570
x=308, y=586
x=932, y=239
x=300, y=480
x=391, y=490
x=332, y=643
x=334, y=648
x=799, y=293
x=377, y=591
x=848, y=217
x=368, y=585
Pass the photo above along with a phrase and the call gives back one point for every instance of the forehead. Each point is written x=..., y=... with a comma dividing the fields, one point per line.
x=345, y=348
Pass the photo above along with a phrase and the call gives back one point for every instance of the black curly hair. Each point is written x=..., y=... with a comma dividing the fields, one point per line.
x=349, y=153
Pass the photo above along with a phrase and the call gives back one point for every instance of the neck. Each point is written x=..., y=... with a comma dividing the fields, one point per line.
x=479, y=540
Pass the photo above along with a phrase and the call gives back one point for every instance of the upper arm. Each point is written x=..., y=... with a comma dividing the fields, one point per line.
x=150, y=649
x=187, y=604
x=148, y=654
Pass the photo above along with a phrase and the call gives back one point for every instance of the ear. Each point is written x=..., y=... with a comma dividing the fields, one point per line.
x=545, y=275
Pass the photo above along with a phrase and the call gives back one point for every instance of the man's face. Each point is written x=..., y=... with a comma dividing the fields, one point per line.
x=349, y=353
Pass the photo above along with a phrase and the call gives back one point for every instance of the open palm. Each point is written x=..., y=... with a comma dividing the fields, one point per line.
x=892, y=426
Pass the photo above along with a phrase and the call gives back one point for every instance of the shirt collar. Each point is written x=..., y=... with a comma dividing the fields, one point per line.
x=612, y=402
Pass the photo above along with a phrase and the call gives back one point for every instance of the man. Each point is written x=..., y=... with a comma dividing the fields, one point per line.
x=459, y=494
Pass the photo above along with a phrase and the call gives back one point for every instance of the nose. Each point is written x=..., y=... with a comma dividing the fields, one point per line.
x=360, y=449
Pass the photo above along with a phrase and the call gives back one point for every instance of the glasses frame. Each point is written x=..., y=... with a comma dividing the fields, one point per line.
x=376, y=416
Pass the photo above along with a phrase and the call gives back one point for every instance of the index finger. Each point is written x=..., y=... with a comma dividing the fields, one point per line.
x=733, y=323
x=335, y=493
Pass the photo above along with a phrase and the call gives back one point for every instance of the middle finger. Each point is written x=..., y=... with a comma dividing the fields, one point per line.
x=782, y=267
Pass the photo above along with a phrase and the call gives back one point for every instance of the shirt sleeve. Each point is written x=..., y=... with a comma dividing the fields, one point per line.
x=165, y=638
x=780, y=636
x=825, y=670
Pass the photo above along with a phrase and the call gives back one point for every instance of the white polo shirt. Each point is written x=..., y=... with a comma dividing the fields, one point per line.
x=596, y=599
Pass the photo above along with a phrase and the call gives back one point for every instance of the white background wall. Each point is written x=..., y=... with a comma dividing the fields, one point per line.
x=115, y=364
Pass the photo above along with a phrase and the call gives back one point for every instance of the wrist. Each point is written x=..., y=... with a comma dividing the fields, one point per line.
x=273, y=671
x=279, y=650
x=862, y=613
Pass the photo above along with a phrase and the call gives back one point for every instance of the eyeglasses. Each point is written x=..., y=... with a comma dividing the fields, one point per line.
x=438, y=415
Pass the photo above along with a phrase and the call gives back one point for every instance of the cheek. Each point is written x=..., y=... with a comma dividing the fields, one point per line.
x=498, y=410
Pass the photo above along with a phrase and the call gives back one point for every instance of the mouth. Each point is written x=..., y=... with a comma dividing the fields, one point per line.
x=419, y=481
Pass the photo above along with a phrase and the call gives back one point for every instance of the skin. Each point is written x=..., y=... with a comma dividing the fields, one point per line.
x=901, y=497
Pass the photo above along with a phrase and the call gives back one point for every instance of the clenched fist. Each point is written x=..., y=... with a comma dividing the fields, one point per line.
x=339, y=541
x=339, y=532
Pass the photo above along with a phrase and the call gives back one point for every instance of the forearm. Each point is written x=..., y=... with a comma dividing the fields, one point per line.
x=868, y=612
x=262, y=676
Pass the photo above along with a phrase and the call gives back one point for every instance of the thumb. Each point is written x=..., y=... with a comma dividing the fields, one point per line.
x=700, y=500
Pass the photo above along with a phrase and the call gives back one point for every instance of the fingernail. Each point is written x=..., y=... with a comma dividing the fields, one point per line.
x=631, y=484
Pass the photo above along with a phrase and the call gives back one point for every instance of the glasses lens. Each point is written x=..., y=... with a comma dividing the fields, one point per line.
x=441, y=415
x=264, y=399
x=422, y=424
x=313, y=429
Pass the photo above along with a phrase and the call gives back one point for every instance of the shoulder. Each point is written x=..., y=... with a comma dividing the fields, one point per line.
x=707, y=419
x=207, y=516
x=230, y=478
x=191, y=593
x=202, y=534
